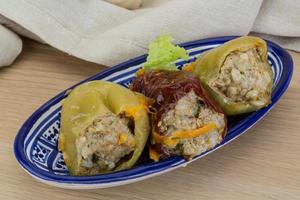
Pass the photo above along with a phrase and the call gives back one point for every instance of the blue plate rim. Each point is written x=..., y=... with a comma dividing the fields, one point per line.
x=100, y=179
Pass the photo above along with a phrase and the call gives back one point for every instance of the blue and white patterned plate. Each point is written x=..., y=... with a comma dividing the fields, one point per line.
x=36, y=143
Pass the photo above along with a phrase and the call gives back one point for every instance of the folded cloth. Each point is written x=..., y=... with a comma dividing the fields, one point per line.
x=101, y=32
x=10, y=46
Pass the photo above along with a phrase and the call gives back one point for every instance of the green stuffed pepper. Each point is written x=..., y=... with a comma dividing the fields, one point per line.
x=104, y=127
x=237, y=75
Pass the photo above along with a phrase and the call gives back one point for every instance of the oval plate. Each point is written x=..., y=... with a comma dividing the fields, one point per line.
x=35, y=145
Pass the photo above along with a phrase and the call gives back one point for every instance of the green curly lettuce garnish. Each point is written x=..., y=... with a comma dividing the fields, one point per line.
x=162, y=53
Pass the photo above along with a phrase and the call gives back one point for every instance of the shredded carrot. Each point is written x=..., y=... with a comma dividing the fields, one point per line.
x=153, y=154
x=122, y=138
x=163, y=139
x=173, y=139
x=189, y=67
x=194, y=133
x=133, y=111
x=140, y=72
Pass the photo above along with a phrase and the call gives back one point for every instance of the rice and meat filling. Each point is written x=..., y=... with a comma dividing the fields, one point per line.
x=243, y=78
x=104, y=143
x=190, y=114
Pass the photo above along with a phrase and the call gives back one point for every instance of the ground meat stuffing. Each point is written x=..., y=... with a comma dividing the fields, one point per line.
x=104, y=143
x=189, y=114
x=244, y=78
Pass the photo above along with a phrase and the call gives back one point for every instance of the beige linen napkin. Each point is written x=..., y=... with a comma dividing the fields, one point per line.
x=104, y=33
x=10, y=46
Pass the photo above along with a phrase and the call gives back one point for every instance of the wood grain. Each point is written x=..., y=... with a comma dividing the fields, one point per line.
x=264, y=163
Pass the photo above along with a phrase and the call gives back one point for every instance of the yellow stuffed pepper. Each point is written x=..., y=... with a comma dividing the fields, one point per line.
x=237, y=75
x=104, y=127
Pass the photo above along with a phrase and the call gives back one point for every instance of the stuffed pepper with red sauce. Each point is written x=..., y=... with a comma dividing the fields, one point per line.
x=184, y=120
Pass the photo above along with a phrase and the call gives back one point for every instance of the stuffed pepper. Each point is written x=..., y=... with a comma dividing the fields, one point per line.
x=237, y=75
x=184, y=120
x=104, y=127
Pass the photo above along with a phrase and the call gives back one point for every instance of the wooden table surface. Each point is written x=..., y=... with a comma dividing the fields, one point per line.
x=264, y=163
